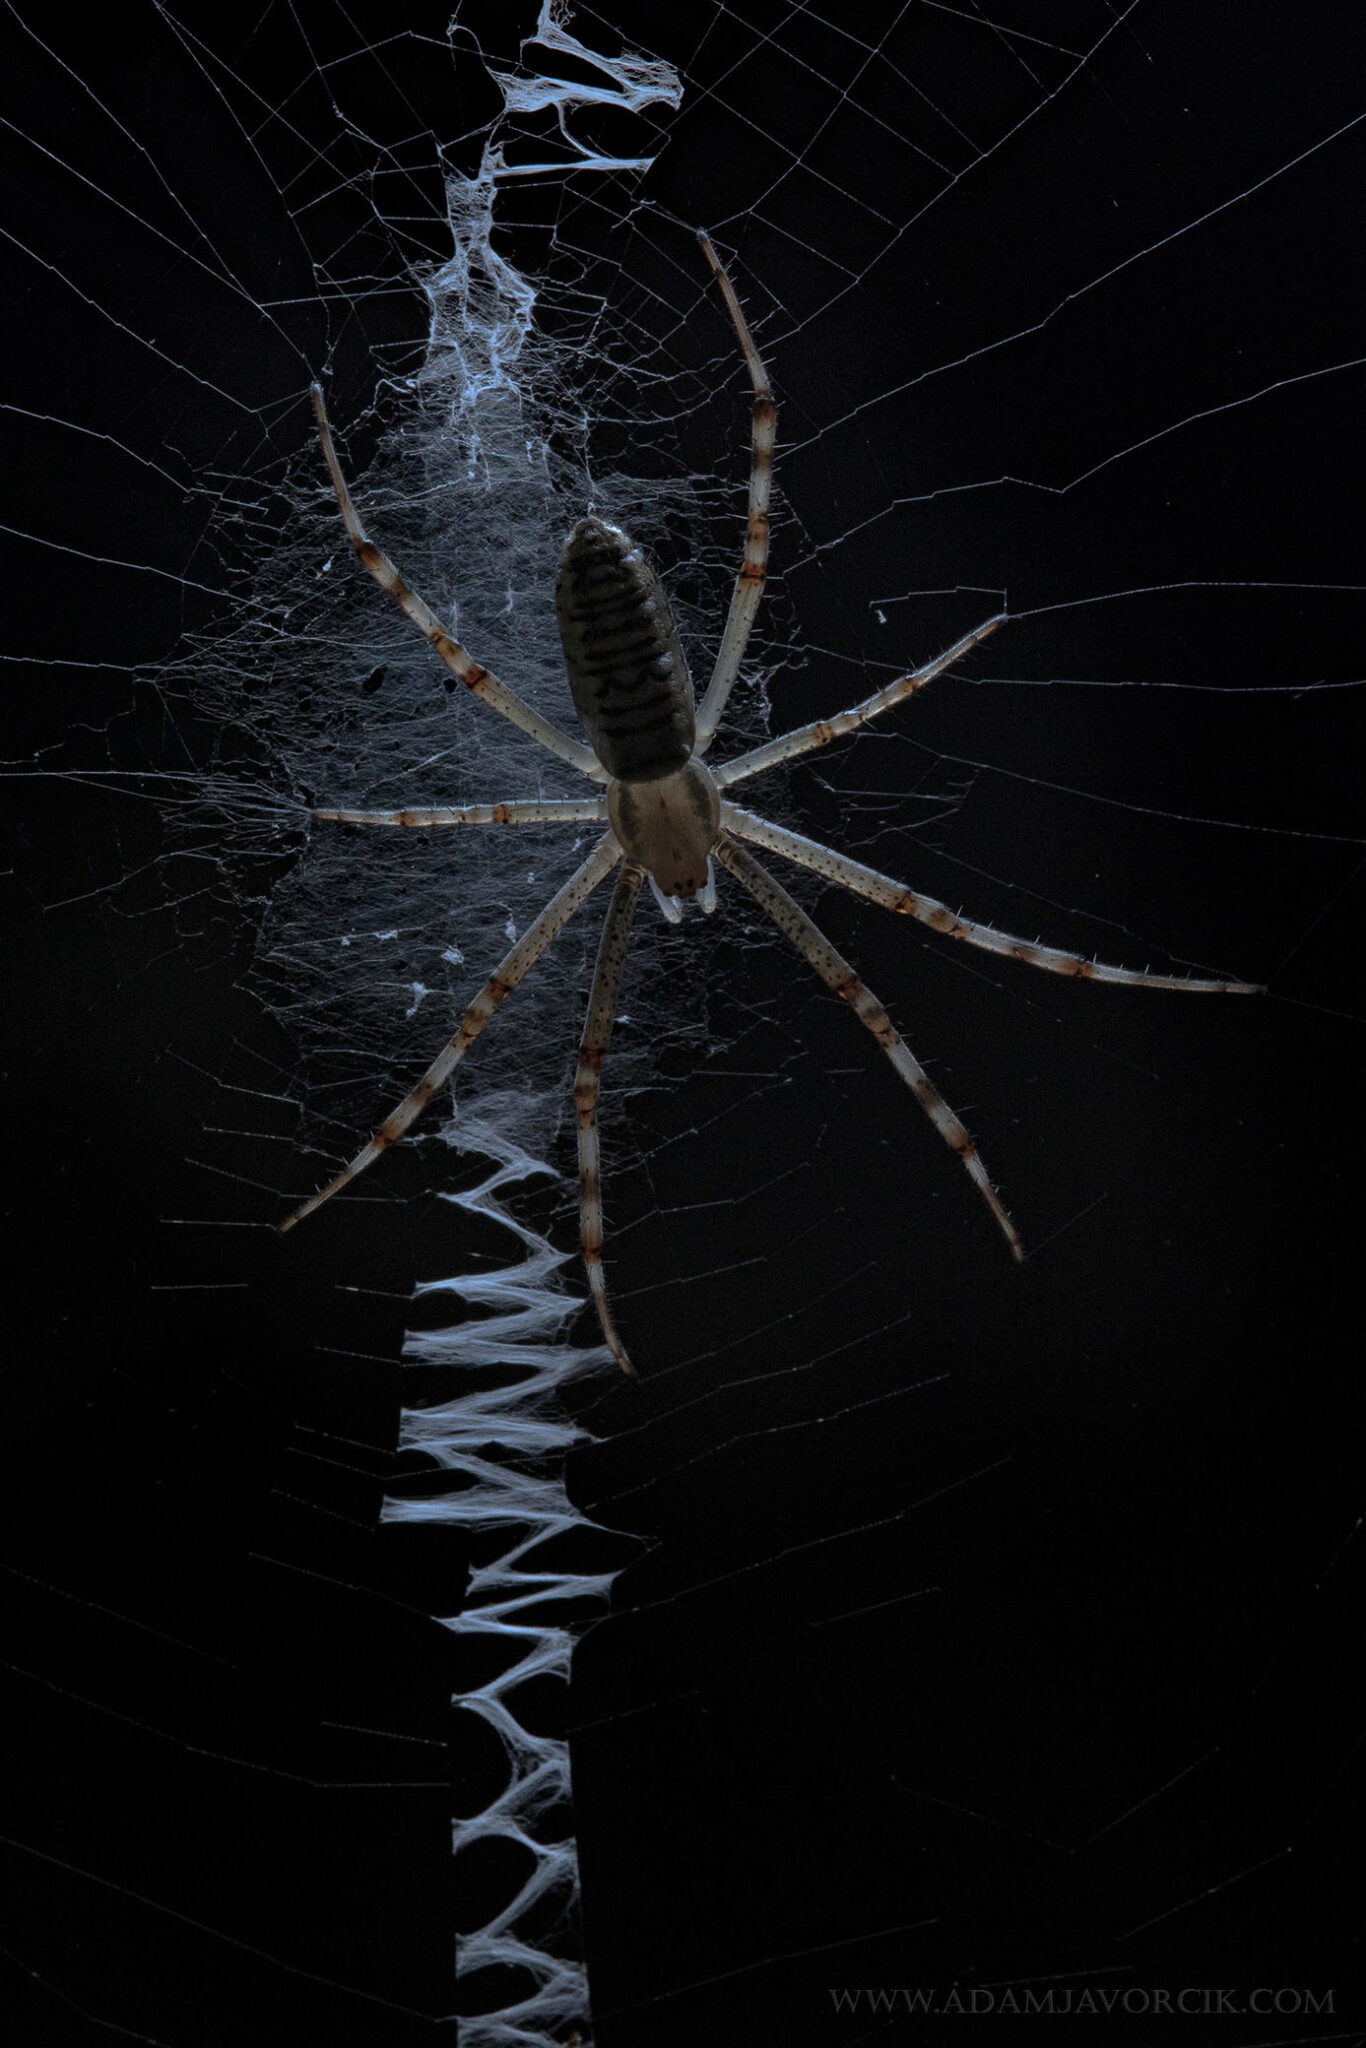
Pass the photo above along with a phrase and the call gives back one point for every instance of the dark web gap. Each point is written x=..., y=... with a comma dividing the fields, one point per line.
x=762, y=1564
x=1137, y=256
x=728, y=1444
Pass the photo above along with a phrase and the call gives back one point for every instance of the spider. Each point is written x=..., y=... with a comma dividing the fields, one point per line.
x=670, y=817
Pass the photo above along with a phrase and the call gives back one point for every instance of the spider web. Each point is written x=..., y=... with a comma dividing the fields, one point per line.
x=983, y=1628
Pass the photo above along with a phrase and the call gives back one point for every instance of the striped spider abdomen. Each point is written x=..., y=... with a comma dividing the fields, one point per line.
x=627, y=670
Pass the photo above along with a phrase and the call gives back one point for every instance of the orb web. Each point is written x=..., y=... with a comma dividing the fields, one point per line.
x=1055, y=314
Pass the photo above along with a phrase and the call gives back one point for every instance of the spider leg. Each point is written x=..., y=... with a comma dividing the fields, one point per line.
x=835, y=971
x=590, y=810
x=510, y=970
x=749, y=584
x=862, y=881
x=456, y=658
x=804, y=738
x=597, y=1030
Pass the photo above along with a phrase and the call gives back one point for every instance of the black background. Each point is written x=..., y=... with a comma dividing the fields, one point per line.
x=1042, y=1673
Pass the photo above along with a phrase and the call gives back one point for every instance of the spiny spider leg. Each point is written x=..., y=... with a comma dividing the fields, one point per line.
x=892, y=895
x=749, y=584
x=456, y=658
x=835, y=971
x=803, y=739
x=499, y=986
x=587, y=810
x=597, y=1030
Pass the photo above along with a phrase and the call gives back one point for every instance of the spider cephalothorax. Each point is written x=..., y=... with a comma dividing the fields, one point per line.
x=668, y=813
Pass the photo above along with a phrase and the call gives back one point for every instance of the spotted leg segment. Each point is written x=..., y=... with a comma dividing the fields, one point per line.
x=587, y=810
x=462, y=664
x=835, y=971
x=749, y=584
x=804, y=739
x=510, y=970
x=893, y=895
x=597, y=1030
